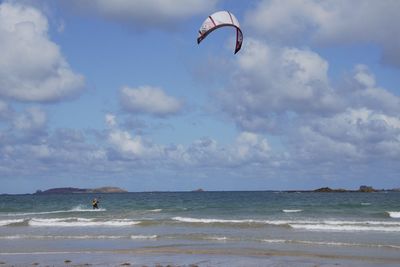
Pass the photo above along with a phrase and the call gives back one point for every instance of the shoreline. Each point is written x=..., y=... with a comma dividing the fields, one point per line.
x=179, y=256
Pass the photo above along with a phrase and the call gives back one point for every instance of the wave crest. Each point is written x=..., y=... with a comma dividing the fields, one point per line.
x=291, y=211
x=394, y=214
x=79, y=222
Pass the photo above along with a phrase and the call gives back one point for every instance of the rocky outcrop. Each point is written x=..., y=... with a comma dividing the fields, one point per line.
x=327, y=189
x=198, y=190
x=367, y=189
x=363, y=189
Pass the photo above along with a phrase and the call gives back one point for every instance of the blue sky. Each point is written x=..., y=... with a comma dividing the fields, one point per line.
x=96, y=93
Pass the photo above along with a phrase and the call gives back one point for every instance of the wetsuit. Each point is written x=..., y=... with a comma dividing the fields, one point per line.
x=94, y=204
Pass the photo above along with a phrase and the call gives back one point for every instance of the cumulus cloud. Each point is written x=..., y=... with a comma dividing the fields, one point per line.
x=361, y=90
x=271, y=81
x=111, y=120
x=132, y=147
x=356, y=135
x=33, y=119
x=5, y=110
x=286, y=92
x=27, y=73
x=330, y=22
x=149, y=100
x=248, y=148
x=251, y=146
x=144, y=13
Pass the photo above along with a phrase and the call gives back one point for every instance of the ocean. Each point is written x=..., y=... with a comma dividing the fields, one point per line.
x=349, y=226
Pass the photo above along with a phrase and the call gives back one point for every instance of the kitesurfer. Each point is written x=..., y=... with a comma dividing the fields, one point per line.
x=95, y=203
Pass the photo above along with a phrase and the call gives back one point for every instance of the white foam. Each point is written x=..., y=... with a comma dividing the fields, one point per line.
x=51, y=252
x=82, y=208
x=328, y=243
x=289, y=211
x=195, y=220
x=42, y=237
x=156, y=210
x=345, y=228
x=335, y=222
x=312, y=225
x=394, y=214
x=7, y=222
x=79, y=208
x=144, y=236
x=280, y=241
x=79, y=223
x=217, y=238
x=50, y=220
x=365, y=203
x=229, y=221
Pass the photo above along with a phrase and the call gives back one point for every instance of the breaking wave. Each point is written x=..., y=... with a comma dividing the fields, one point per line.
x=310, y=225
x=290, y=211
x=44, y=237
x=8, y=222
x=79, y=208
x=144, y=236
x=79, y=222
x=394, y=214
x=327, y=243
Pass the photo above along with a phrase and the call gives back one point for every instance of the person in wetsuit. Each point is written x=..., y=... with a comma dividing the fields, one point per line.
x=95, y=203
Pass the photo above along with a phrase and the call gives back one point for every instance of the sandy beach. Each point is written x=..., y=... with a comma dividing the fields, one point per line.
x=162, y=256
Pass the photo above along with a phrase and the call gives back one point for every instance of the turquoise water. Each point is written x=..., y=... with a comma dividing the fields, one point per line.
x=347, y=222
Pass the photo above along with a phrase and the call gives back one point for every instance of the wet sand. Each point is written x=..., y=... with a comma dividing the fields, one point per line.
x=190, y=257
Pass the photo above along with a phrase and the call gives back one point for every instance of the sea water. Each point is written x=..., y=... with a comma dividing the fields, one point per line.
x=350, y=223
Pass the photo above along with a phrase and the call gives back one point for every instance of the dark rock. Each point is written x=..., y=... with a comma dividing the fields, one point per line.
x=198, y=190
x=324, y=189
x=367, y=189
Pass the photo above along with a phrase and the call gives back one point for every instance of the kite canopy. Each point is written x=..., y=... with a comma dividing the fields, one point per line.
x=220, y=19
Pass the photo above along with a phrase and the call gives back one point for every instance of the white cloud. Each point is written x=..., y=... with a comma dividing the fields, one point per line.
x=40, y=151
x=144, y=13
x=356, y=135
x=271, y=81
x=32, y=67
x=286, y=92
x=363, y=76
x=272, y=86
x=111, y=120
x=149, y=100
x=251, y=147
x=5, y=110
x=248, y=148
x=126, y=146
x=361, y=91
x=284, y=20
x=32, y=120
x=330, y=21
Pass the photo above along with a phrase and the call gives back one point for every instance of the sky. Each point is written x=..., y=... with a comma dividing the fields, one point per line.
x=118, y=93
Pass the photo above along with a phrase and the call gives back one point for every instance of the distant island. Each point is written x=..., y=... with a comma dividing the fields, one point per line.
x=198, y=190
x=69, y=190
x=362, y=189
